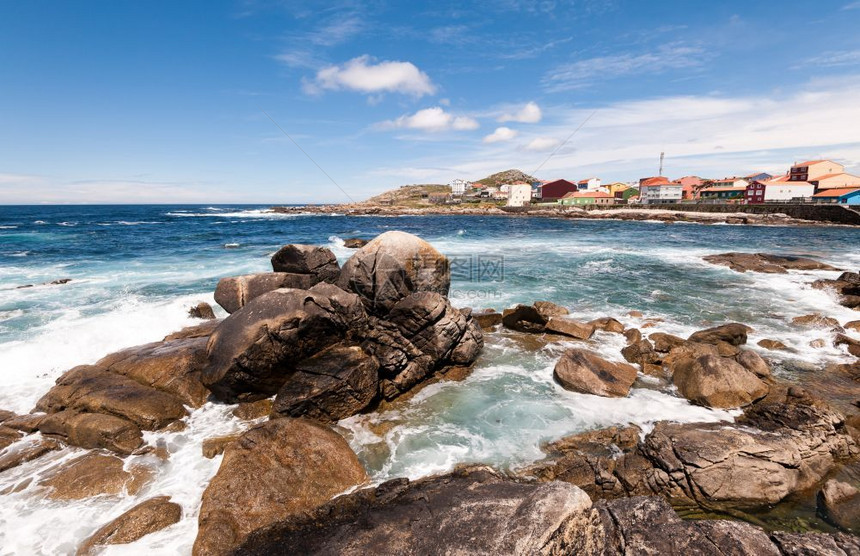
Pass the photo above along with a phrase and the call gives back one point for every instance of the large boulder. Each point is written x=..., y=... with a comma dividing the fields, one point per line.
x=93, y=430
x=470, y=511
x=234, y=292
x=312, y=260
x=282, y=468
x=733, y=333
x=255, y=350
x=147, y=517
x=581, y=371
x=763, y=262
x=392, y=266
x=173, y=367
x=839, y=503
x=90, y=389
x=333, y=384
x=569, y=327
x=715, y=381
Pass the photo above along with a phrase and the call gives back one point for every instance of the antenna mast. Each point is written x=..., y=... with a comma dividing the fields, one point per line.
x=660, y=173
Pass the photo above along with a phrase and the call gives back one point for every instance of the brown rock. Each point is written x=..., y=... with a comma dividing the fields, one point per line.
x=523, y=318
x=307, y=259
x=235, y=292
x=582, y=371
x=763, y=262
x=488, y=318
x=717, y=382
x=249, y=411
x=852, y=325
x=216, y=445
x=548, y=309
x=808, y=544
x=282, y=468
x=635, y=314
x=337, y=382
x=28, y=422
x=174, y=367
x=818, y=344
x=202, y=330
x=839, y=503
x=641, y=353
x=633, y=336
x=753, y=362
x=354, y=243
x=608, y=324
x=94, y=474
x=572, y=328
x=201, y=311
x=93, y=430
x=773, y=345
x=732, y=333
x=853, y=345
x=147, y=517
x=817, y=321
x=4, y=415
x=22, y=452
x=9, y=436
x=665, y=342
x=89, y=389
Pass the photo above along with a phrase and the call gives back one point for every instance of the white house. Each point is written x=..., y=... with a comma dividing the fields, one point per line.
x=659, y=190
x=519, y=195
x=591, y=184
x=459, y=187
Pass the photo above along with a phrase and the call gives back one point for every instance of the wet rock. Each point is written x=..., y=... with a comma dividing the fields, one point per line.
x=94, y=474
x=732, y=333
x=847, y=287
x=641, y=353
x=4, y=415
x=235, y=292
x=839, y=503
x=852, y=325
x=853, y=345
x=523, y=318
x=174, y=367
x=582, y=371
x=147, y=517
x=201, y=311
x=817, y=321
x=354, y=243
x=202, y=330
x=26, y=423
x=547, y=309
x=753, y=362
x=392, y=266
x=571, y=328
x=313, y=260
x=93, y=430
x=22, y=452
x=608, y=324
x=470, y=511
x=337, y=382
x=635, y=314
x=488, y=318
x=254, y=350
x=665, y=342
x=9, y=436
x=818, y=343
x=762, y=262
x=249, y=411
x=282, y=468
x=773, y=345
x=216, y=445
x=90, y=389
x=717, y=382
x=633, y=336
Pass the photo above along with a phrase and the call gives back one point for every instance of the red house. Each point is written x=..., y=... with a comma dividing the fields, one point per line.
x=557, y=189
x=754, y=195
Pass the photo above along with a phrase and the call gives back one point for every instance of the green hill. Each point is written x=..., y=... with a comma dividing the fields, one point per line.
x=508, y=176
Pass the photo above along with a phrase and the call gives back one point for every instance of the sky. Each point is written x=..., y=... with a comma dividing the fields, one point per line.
x=265, y=101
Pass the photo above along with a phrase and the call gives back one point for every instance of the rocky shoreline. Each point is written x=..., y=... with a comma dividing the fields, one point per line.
x=630, y=214
x=311, y=343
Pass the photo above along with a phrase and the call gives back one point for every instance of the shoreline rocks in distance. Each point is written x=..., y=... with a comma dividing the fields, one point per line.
x=766, y=263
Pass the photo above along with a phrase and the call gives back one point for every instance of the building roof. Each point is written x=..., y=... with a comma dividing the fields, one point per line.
x=838, y=192
x=656, y=180
x=783, y=183
x=582, y=194
x=718, y=189
x=833, y=176
x=808, y=163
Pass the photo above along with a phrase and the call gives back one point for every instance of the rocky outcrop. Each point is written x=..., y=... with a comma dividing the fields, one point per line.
x=235, y=292
x=94, y=474
x=715, y=381
x=90, y=389
x=335, y=383
x=570, y=328
x=665, y=343
x=817, y=320
x=202, y=311
x=548, y=309
x=392, y=266
x=762, y=262
x=732, y=333
x=147, y=517
x=282, y=468
x=173, y=366
x=487, y=318
x=312, y=260
x=24, y=451
x=839, y=503
x=608, y=324
x=852, y=345
x=93, y=431
x=581, y=371
x=254, y=350
x=846, y=286
x=523, y=318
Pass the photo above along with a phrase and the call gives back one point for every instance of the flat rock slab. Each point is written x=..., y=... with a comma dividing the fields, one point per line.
x=581, y=371
x=147, y=517
x=92, y=475
x=763, y=262
x=22, y=452
x=93, y=430
x=94, y=390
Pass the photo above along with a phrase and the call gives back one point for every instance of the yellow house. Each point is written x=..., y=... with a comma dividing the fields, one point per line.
x=613, y=188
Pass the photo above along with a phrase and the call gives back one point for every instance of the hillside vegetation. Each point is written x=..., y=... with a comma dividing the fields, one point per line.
x=410, y=195
x=508, y=176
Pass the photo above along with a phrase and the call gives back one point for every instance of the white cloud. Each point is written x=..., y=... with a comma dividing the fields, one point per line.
x=833, y=59
x=501, y=134
x=528, y=114
x=583, y=72
x=431, y=119
x=364, y=75
x=542, y=144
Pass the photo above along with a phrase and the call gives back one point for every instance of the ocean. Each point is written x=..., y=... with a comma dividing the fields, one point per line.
x=135, y=270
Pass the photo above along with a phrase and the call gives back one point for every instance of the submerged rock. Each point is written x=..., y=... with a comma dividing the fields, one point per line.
x=282, y=468
x=839, y=503
x=763, y=262
x=392, y=266
x=147, y=517
x=582, y=371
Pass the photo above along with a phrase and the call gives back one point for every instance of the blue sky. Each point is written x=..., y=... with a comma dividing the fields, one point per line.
x=163, y=101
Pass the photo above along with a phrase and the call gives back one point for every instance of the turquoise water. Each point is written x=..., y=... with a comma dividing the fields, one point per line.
x=136, y=269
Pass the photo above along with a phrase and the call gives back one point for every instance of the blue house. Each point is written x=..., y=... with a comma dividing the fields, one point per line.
x=842, y=196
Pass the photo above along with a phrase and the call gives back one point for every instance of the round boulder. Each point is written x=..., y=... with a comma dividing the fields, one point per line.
x=715, y=381
x=581, y=371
